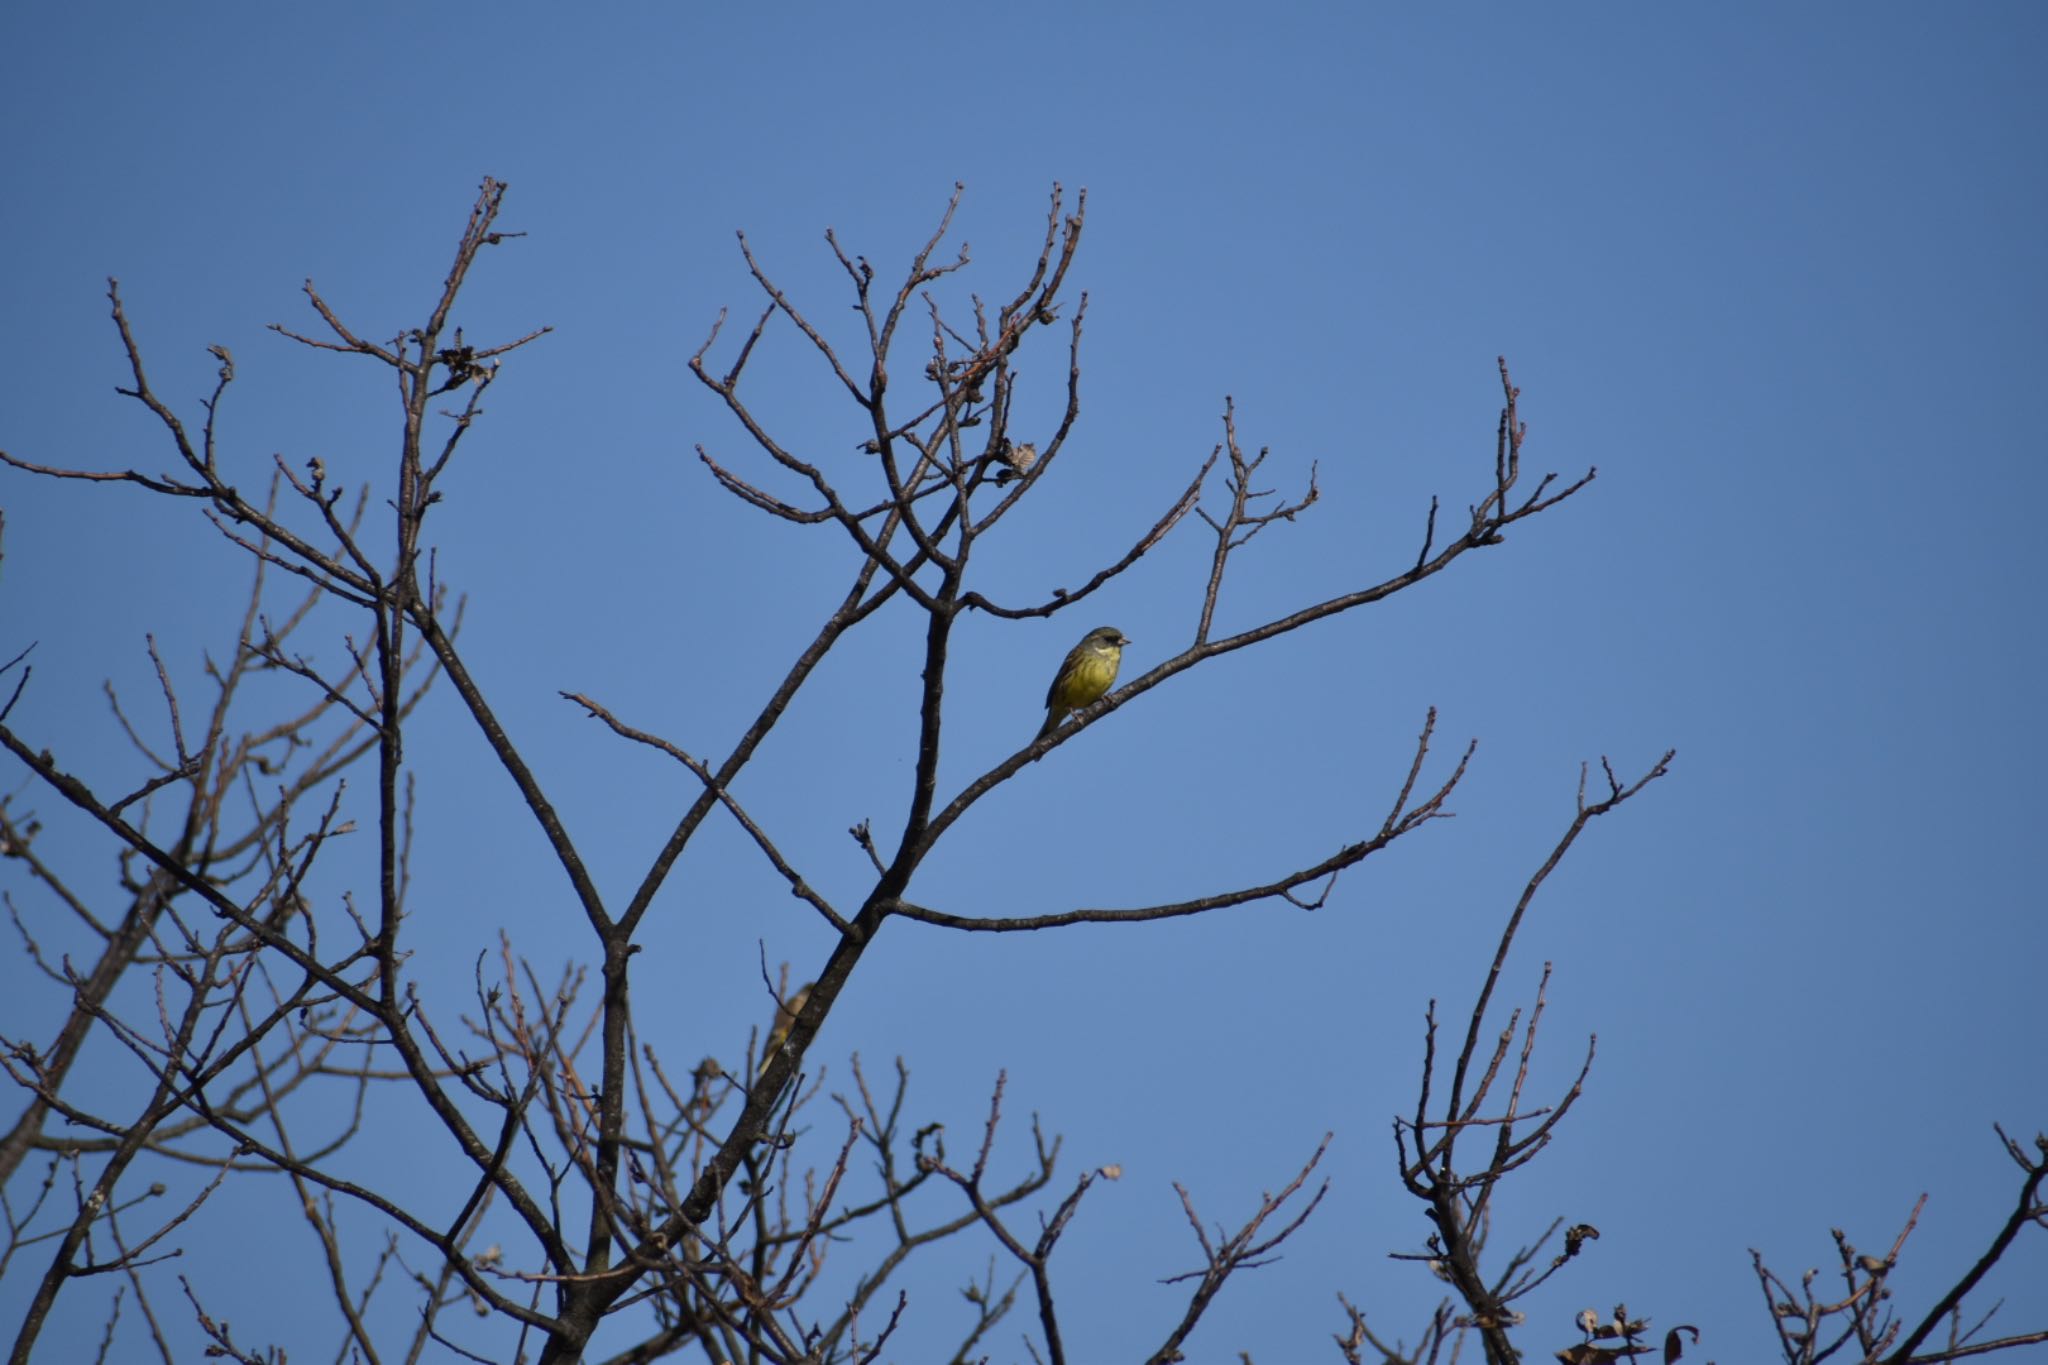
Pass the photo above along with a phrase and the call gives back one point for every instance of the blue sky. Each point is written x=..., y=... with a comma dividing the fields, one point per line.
x=1777, y=273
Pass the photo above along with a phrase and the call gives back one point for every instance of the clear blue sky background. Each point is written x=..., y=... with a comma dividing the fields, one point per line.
x=1778, y=273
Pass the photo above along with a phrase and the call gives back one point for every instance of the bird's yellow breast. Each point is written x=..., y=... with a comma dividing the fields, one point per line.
x=1090, y=677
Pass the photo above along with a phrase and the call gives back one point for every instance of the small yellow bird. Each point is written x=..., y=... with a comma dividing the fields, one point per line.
x=1087, y=673
x=786, y=1012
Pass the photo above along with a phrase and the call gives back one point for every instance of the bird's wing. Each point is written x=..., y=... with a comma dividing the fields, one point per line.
x=1072, y=662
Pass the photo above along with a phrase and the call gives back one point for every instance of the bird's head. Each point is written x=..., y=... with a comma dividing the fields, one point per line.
x=1107, y=637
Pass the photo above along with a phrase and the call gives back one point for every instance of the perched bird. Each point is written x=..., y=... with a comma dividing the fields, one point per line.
x=786, y=1012
x=1088, y=673
x=1017, y=461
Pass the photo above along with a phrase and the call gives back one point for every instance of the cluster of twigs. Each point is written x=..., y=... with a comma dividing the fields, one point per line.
x=1863, y=1324
x=1457, y=1196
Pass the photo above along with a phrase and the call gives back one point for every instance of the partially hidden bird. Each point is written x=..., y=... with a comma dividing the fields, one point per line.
x=786, y=1012
x=1089, y=671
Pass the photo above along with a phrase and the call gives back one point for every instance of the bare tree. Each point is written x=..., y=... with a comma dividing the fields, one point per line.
x=658, y=1204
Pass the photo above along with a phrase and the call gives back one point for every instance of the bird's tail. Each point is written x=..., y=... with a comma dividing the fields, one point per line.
x=1053, y=716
